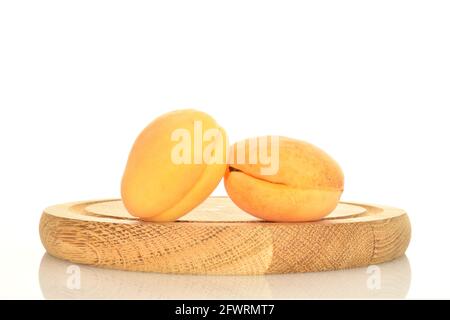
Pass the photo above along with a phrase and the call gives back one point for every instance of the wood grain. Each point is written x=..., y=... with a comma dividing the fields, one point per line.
x=219, y=238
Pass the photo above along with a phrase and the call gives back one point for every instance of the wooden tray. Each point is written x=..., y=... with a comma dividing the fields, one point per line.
x=219, y=238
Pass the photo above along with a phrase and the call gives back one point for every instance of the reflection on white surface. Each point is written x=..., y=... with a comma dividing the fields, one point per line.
x=64, y=280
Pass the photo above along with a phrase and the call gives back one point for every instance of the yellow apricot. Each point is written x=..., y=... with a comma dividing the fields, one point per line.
x=306, y=186
x=175, y=163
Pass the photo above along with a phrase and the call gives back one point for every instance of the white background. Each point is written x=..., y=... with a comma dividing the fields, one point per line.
x=367, y=81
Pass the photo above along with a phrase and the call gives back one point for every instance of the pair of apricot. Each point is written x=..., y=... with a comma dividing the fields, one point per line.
x=179, y=159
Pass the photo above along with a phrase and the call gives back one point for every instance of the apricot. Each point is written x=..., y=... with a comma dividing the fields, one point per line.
x=175, y=163
x=305, y=186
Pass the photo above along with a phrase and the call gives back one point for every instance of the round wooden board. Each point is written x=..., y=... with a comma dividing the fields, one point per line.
x=219, y=238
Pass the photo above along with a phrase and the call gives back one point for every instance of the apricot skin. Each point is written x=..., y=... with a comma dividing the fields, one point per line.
x=154, y=188
x=306, y=187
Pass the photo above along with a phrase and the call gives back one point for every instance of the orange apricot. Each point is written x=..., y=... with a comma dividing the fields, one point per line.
x=175, y=163
x=304, y=185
